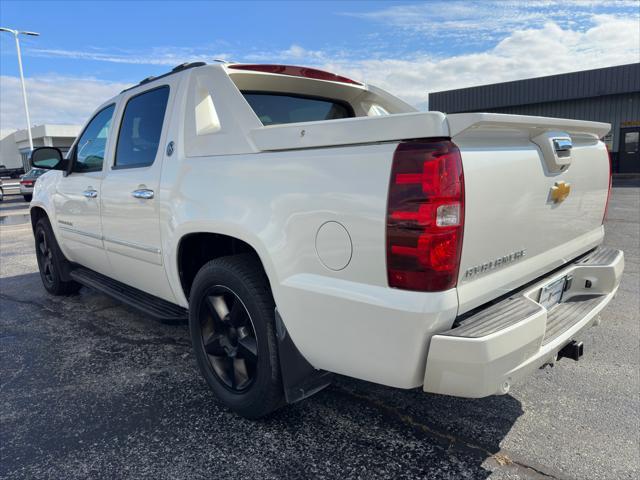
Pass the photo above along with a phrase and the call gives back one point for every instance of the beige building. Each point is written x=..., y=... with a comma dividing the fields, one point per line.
x=14, y=146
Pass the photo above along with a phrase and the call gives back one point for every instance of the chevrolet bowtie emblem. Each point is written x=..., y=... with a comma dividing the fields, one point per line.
x=560, y=191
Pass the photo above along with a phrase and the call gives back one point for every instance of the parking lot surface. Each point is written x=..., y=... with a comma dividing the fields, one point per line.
x=92, y=389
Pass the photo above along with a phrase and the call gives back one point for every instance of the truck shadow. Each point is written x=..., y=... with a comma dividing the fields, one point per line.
x=453, y=436
x=84, y=377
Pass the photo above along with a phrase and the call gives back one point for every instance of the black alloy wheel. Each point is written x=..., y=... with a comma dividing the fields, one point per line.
x=44, y=253
x=229, y=338
x=232, y=326
x=51, y=261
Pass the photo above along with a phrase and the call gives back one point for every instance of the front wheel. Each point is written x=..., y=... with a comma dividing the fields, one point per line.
x=51, y=261
x=232, y=326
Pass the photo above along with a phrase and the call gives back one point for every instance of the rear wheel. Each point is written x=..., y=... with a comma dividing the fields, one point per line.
x=27, y=198
x=51, y=261
x=232, y=326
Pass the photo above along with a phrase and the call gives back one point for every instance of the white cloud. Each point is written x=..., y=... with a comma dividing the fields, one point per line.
x=471, y=22
x=296, y=51
x=67, y=100
x=157, y=56
x=525, y=53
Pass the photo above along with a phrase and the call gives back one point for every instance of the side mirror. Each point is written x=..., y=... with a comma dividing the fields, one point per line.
x=48, y=158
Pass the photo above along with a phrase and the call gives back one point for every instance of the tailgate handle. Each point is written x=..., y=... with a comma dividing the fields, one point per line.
x=556, y=150
x=562, y=146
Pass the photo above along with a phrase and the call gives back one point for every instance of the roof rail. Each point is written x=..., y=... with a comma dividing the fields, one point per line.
x=179, y=68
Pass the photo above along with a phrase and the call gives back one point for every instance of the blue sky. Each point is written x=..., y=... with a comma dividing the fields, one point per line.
x=87, y=51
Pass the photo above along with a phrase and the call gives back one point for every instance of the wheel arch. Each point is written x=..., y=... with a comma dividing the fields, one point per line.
x=37, y=213
x=194, y=249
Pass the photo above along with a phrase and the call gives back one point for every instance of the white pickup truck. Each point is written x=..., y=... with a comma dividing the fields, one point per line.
x=306, y=223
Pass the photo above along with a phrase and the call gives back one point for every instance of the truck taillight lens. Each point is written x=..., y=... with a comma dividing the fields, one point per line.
x=606, y=205
x=425, y=216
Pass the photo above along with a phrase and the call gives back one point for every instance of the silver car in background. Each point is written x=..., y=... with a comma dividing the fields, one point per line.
x=28, y=180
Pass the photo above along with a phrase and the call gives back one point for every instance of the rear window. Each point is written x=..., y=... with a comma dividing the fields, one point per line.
x=277, y=108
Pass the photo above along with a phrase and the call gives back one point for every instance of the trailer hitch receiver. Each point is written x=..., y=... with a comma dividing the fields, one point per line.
x=573, y=350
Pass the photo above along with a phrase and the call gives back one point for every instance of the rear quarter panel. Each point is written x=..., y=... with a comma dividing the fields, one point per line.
x=340, y=320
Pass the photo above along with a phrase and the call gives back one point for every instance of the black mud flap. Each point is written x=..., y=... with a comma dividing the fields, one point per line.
x=299, y=378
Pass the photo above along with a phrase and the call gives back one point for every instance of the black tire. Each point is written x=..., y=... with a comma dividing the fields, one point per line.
x=27, y=198
x=51, y=261
x=1, y=195
x=237, y=278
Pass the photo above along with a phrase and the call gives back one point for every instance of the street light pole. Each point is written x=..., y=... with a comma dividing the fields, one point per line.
x=15, y=34
x=24, y=92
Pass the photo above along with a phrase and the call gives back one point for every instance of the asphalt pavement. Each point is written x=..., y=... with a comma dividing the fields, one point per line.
x=92, y=389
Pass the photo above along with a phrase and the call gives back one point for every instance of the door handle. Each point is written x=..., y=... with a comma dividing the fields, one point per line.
x=143, y=193
x=90, y=193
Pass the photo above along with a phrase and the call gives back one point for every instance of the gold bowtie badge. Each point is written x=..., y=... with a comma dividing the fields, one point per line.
x=560, y=191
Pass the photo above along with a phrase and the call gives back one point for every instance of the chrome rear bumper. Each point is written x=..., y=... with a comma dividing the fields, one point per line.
x=490, y=350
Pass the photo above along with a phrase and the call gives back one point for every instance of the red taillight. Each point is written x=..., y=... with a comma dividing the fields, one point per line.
x=26, y=183
x=606, y=205
x=294, y=71
x=425, y=216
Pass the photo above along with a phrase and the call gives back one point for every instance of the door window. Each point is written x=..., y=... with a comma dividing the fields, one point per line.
x=93, y=142
x=141, y=127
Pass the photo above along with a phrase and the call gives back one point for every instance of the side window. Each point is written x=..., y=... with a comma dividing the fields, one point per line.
x=376, y=111
x=93, y=142
x=141, y=127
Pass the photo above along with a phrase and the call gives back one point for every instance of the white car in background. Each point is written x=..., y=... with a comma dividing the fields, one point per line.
x=306, y=223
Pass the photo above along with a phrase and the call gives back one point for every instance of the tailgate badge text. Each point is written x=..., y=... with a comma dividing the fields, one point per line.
x=493, y=264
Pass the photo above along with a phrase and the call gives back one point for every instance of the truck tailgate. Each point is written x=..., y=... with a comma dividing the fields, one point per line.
x=535, y=195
